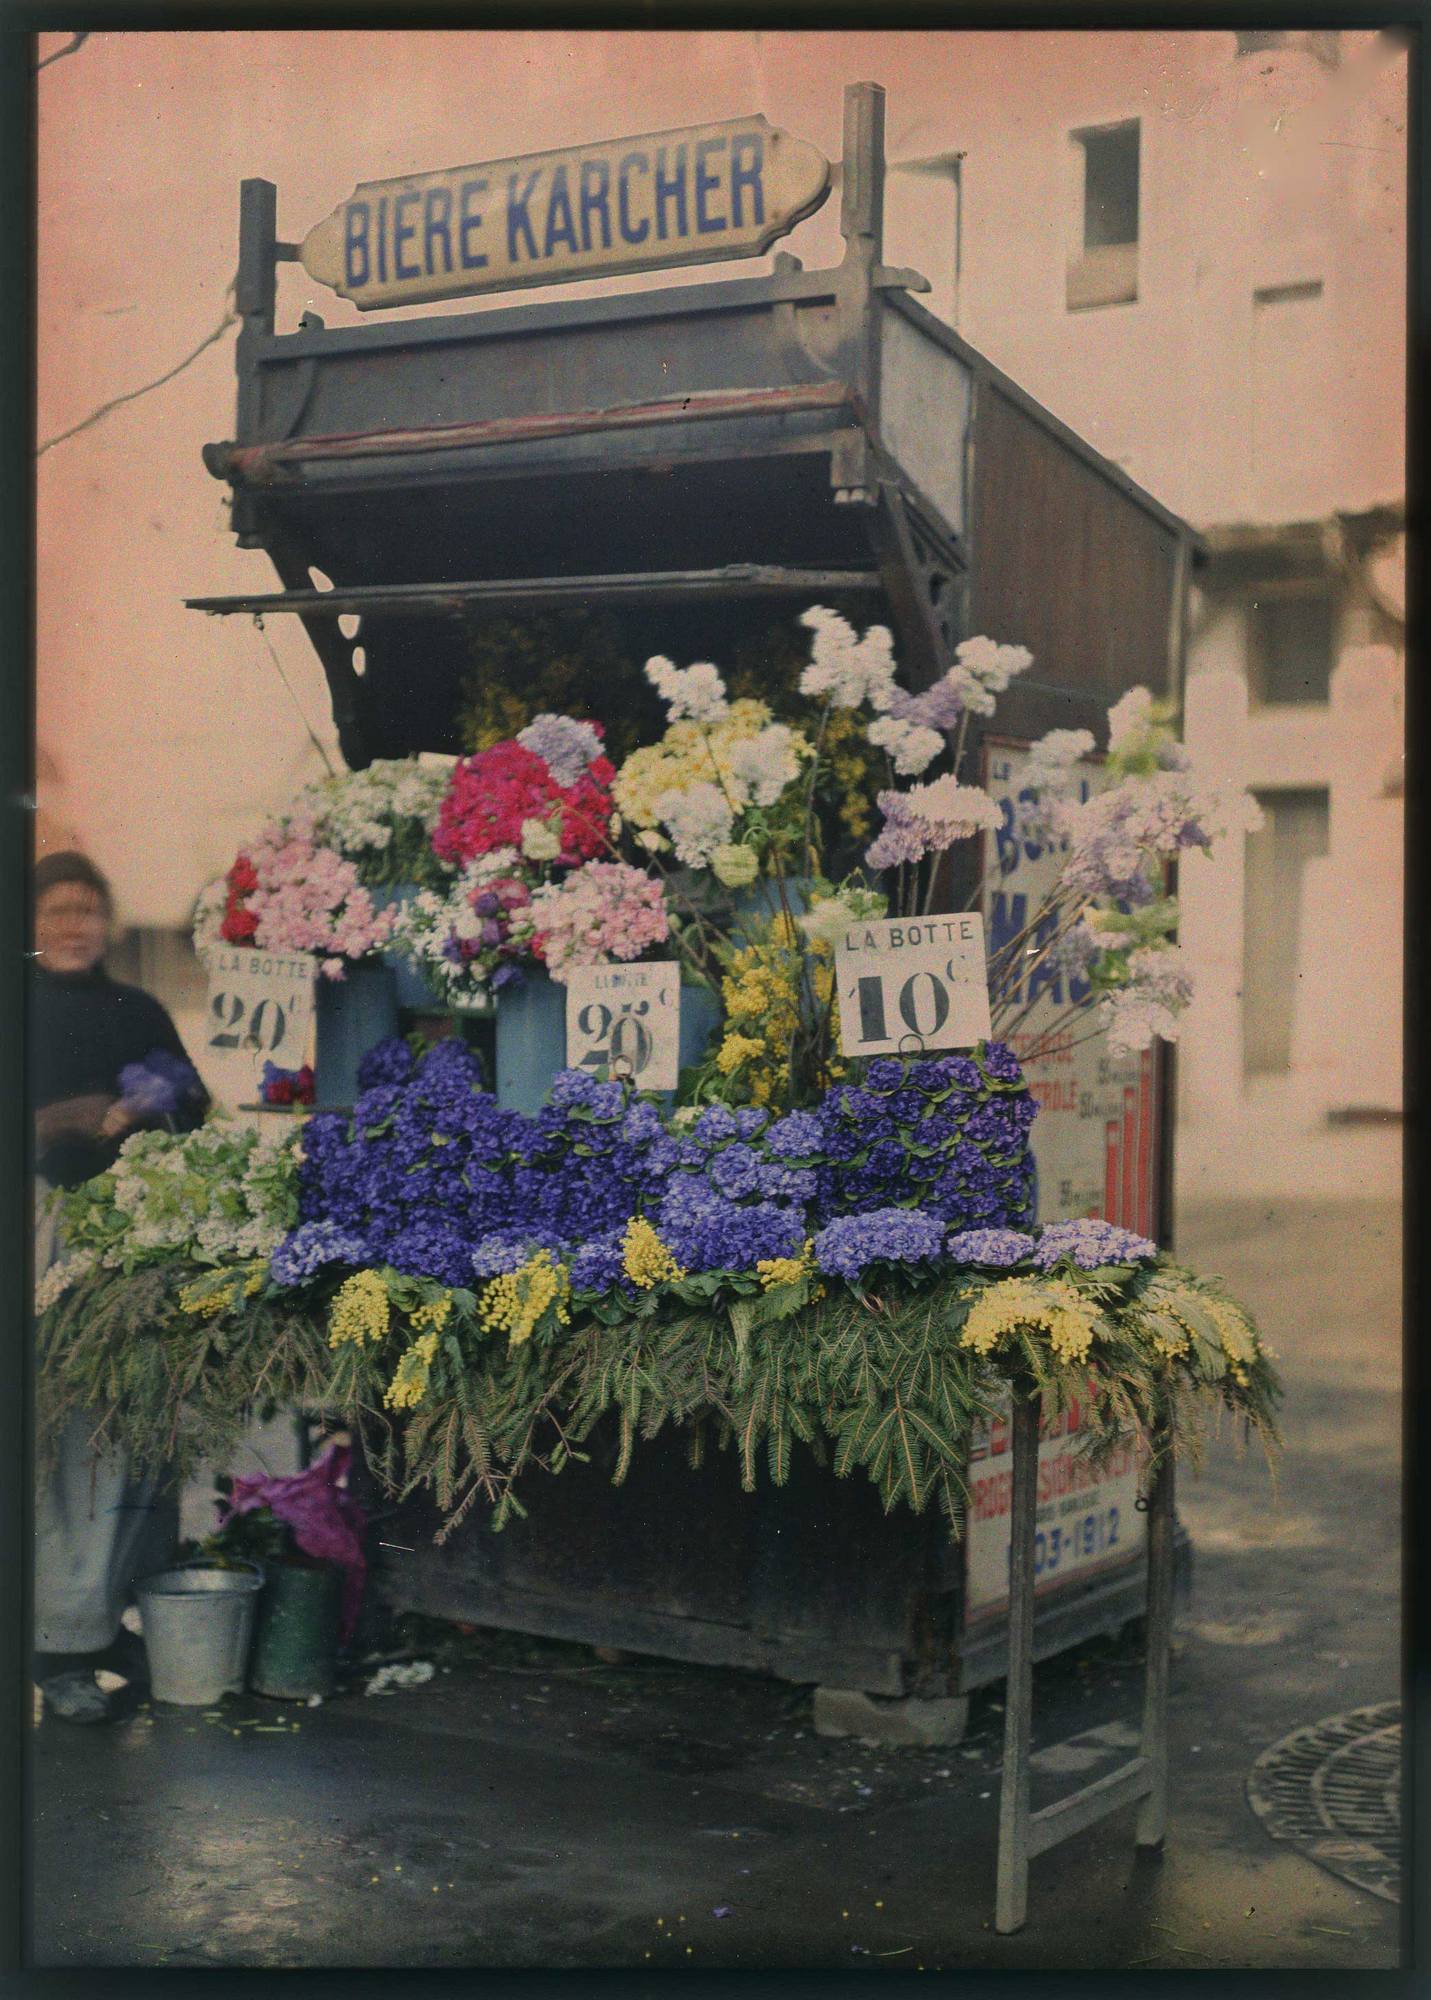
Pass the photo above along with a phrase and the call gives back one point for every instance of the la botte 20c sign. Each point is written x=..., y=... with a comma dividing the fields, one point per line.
x=661, y=199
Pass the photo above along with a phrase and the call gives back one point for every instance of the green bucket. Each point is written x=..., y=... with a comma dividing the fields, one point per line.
x=295, y=1645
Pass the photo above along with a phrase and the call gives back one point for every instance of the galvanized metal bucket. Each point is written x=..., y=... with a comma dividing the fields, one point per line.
x=198, y=1626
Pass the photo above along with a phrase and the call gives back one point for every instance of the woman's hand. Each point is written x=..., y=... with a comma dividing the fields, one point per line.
x=118, y=1119
x=74, y=1117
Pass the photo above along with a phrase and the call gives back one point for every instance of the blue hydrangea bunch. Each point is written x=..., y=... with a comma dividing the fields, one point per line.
x=1089, y=1242
x=429, y=1174
x=946, y=1133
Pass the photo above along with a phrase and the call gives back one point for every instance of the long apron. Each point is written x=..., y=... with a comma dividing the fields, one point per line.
x=97, y=1531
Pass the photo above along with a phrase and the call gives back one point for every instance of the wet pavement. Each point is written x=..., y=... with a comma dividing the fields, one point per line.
x=530, y=1806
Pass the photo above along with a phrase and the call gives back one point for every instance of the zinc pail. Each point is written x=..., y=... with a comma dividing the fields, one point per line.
x=198, y=1626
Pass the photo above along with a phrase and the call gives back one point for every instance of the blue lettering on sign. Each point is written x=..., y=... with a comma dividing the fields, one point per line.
x=355, y=244
x=517, y=213
x=1004, y=838
x=436, y=227
x=403, y=232
x=628, y=229
x=383, y=240
x=747, y=170
x=470, y=221
x=671, y=188
x=561, y=224
x=706, y=183
x=595, y=200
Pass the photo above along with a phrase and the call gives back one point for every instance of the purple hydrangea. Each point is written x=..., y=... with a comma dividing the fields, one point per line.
x=846, y=1247
x=1001, y=1063
x=390, y=1061
x=502, y=1251
x=1089, y=1242
x=796, y=1136
x=597, y=1266
x=311, y=1245
x=995, y=1248
x=158, y=1086
x=565, y=745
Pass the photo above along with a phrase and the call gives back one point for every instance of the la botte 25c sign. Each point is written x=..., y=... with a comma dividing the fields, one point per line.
x=661, y=199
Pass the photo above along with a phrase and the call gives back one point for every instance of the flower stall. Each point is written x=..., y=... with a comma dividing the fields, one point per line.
x=613, y=1171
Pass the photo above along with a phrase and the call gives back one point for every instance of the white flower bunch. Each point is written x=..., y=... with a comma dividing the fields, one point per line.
x=363, y=812
x=956, y=810
x=698, y=819
x=843, y=669
x=764, y=765
x=692, y=694
x=222, y=1193
x=912, y=746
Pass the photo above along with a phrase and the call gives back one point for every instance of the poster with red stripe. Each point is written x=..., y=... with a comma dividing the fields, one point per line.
x=1096, y=1146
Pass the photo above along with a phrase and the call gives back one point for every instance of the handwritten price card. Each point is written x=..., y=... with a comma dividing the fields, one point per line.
x=626, y=1019
x=260, y=1010
x=911, y=982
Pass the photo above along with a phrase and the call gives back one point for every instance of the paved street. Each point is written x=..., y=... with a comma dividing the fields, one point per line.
x=532, y=1807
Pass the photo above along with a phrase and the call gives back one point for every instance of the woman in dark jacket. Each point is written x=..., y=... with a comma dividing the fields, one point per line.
x=105, y=1060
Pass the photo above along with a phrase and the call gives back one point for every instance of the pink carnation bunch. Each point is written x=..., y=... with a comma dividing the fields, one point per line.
x=308, y=897
x=603, y=911
x=493, y=794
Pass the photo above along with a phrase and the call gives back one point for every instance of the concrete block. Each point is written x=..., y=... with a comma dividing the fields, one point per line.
x=886, y=1720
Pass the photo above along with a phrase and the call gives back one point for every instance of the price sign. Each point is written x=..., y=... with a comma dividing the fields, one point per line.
x=908, y=982
x=626, y=1019
x=260, y=1010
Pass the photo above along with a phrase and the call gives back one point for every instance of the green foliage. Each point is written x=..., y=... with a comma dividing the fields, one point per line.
x=567, y=662
x=880, y=1382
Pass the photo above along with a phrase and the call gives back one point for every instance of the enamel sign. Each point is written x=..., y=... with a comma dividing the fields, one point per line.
x=640, y=204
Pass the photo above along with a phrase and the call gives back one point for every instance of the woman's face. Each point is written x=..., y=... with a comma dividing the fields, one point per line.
x=71, y=927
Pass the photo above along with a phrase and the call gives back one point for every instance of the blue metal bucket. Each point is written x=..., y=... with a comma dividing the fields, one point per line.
x=351, y=1015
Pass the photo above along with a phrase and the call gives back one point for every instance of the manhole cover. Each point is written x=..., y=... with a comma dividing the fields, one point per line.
x=1333, y=1790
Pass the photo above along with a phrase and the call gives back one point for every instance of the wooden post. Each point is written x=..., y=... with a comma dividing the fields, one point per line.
x=1012, y=1893
x=1153, y=1813
x=862, y=226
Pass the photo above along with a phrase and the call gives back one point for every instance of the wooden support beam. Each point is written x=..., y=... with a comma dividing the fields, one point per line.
x=1144, y=1777
x=1012, y=1895
x=1153, y=1818
x=426, y=599
x=1085, y=1807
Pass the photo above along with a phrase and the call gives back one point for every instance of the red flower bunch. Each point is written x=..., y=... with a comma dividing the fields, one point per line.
x=239, y=922
x=493, y=793
x=288, y=1086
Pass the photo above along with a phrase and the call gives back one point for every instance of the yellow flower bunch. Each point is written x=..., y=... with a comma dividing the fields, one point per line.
x=514, y=1303
x=1050, y=1306
x=644, y=1257
x=220, y=1291
x=789, y=1270
x=689, y=753
x=854, y=767
x=360, y=1310
x=409, y=1384
x=762, y=1007
x=1174, y=1304
x=434, y=1313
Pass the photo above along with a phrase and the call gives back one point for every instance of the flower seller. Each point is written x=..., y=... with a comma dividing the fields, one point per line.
x=105, y=1060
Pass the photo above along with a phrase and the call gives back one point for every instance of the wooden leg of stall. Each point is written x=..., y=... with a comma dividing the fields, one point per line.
x=1153, y=1813
x=1022, y=1834
x=1012, y=1895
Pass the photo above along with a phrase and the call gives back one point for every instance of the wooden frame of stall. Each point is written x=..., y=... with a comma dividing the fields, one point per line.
x=949, y=542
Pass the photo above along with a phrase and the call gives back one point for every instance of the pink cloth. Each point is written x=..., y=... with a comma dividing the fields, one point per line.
x=326, y=1520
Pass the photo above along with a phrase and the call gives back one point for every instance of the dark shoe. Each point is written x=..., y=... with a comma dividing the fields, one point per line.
x=75, y=1697
x=125, y=1656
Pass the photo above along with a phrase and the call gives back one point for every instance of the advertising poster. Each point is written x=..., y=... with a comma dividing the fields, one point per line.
x=1095, y=1145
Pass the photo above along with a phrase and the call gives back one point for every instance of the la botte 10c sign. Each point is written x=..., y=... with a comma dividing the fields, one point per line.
x=661, y=199
x=906, y=983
